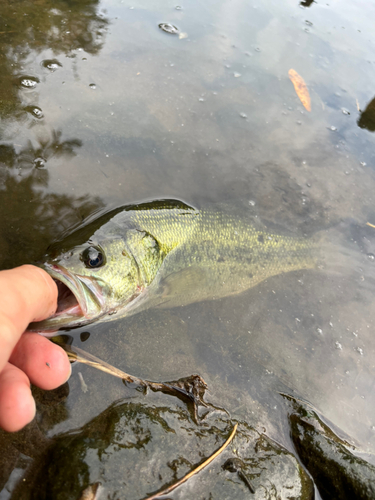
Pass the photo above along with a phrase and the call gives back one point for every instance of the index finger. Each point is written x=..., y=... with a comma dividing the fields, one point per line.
x=27, y=294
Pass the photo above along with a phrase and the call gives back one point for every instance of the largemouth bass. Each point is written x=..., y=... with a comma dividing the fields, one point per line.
x=163, y=253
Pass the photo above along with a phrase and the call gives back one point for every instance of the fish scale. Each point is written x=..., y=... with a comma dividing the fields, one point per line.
x=168, y=254
x=228, y=252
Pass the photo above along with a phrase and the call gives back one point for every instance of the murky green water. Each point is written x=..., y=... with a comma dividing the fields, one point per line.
x=100, y=107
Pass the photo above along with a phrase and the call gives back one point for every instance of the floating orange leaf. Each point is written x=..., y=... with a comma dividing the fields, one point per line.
x=301, y=88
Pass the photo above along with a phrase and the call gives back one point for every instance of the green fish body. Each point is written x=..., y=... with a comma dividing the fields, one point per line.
x=163, y=253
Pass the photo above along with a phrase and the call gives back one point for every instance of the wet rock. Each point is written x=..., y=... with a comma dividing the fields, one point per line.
x=133, y=450
x=337, y=472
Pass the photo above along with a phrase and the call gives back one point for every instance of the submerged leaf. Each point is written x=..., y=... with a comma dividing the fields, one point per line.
x=91, y=492
x=301, y=88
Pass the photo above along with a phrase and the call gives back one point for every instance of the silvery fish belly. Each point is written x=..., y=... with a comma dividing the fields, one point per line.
x=163, y=253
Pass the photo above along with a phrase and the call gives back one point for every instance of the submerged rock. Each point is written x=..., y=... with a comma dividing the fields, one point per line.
x=338, y=472
x=134, y=449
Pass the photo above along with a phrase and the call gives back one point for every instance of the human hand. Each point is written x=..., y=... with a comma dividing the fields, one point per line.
x=27, y=294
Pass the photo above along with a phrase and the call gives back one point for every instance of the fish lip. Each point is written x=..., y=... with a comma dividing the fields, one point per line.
x=88, y=293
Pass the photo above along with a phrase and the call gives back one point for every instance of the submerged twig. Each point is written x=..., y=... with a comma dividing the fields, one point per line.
x=191, y=389
x=198, y=469
x=81, y=356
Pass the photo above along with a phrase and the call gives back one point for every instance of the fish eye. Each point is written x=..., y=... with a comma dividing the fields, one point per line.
x=92, y=257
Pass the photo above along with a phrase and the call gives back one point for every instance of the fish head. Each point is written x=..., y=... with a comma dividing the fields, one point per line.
x=102, y=277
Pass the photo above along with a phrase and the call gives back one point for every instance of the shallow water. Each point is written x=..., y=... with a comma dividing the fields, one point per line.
x=100, y=107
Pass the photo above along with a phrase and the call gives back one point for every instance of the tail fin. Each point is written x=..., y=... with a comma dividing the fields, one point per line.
x=341, y=254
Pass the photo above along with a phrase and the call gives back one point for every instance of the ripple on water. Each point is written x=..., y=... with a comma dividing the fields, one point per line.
x=40, y=163
x=169, y=28
x=51, y=64
x=35, y=111
x=28, y=82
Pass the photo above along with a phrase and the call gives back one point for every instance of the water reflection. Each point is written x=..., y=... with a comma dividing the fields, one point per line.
x=30, y=217
x=30, y=156
x=60, y=26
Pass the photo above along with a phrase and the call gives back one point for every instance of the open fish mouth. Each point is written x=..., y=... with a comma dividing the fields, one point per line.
x=80, y=301
x=67, y=302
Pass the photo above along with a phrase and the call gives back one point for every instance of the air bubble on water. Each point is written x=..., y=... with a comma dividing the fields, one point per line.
x=237, y=75
x=169, y=28
x=299, y=122
x=178, y=7
x=363, y=163
x=338, y=345
x=243, y=115
x=92, y=86
x=35, y=111
x=252, y=203
x=331, y=324
x=51, y=64
x=355, y=334
x=320, y=331
x=371, y=256
x=39, y=162
x=332, y=128
x=347, y=372
x=309, y=23
x=257, y=49
x=201, y=99
x=358, y=349
x=28, y=82
x=345, y=111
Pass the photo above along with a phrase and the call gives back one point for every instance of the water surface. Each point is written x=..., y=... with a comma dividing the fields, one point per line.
x=100, y=107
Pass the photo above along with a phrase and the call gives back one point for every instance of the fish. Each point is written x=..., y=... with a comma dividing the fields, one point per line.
x=163, y=253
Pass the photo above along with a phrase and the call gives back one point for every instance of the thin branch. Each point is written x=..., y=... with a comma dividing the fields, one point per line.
x=198, y=469
x=84, y=357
